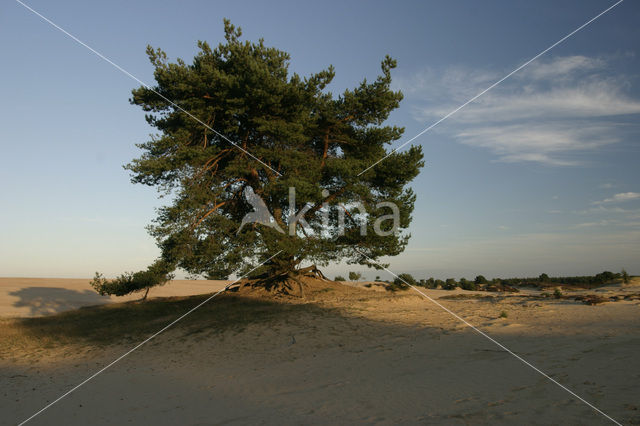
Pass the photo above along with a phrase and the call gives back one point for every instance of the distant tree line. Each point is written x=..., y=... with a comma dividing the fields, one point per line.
x=586, y=280
x=404, y=281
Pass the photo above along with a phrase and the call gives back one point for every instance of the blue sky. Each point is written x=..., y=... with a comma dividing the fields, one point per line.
x=538, y=175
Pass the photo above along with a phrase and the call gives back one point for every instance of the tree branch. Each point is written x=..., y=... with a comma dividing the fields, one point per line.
x=208, y=213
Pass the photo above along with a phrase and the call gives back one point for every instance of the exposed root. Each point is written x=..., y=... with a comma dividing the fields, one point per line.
x=285, y=282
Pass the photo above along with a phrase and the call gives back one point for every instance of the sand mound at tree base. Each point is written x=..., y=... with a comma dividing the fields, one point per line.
x=302, y=287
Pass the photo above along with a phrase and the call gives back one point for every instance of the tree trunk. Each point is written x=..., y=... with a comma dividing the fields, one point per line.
x=146, y=292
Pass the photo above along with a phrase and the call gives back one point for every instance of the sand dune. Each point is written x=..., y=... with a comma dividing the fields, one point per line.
x=352, y=355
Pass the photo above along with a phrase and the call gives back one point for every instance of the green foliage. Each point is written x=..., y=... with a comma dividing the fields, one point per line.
x=405, y=279
x=354, y=276
x=339, y=278
x=439, y=283
x=504, y=314
x=316, y=142
x=129, y=282
x=450, y=284
x=557, y=293
x=480, y=280
x=467, y=285
x=402, y=282
x=625, y=276
x=588, y=281
x=581, y=281
x=213, y=276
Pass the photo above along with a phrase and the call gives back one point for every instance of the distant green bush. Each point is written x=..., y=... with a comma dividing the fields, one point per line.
x=339, y=278
x=402, y=282
x=625, y=276
x=480, y=280
x=467, y=285
x=354, y=276
x=405, y=279
x=450, y=284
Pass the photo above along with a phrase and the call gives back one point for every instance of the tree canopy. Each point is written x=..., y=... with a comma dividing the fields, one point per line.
x=299, y=136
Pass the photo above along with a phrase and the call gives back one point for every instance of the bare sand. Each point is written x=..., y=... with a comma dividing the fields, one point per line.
x=32, y=297
x=352, y=355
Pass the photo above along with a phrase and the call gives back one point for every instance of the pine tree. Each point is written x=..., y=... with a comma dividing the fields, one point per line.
x=291, y=132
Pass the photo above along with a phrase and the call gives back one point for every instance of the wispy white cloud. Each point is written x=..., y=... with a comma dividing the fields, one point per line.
x=560, y=67
x=621, y=197
x=624, y=223
x=540, y=142
x=600, y=209
x=591, y=224
x=545, y=114
x=588, y=100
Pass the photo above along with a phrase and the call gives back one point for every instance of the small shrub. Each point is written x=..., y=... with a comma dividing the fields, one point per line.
x=625, y=276
x=339, y=278
x=402, y=282
x=354, y=276
x=450, y=284
x=557, y=293
x=503, y=314
x=405, y=279
x=396, y=286
x=467, y=285
x=480, y=280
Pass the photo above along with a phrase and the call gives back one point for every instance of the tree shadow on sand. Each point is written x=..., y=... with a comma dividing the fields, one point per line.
x=249, y=359
x=116, y=323
x=48, y=300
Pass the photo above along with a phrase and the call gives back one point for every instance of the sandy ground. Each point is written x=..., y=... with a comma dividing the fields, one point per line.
x=31, y=297
x=359, y=356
